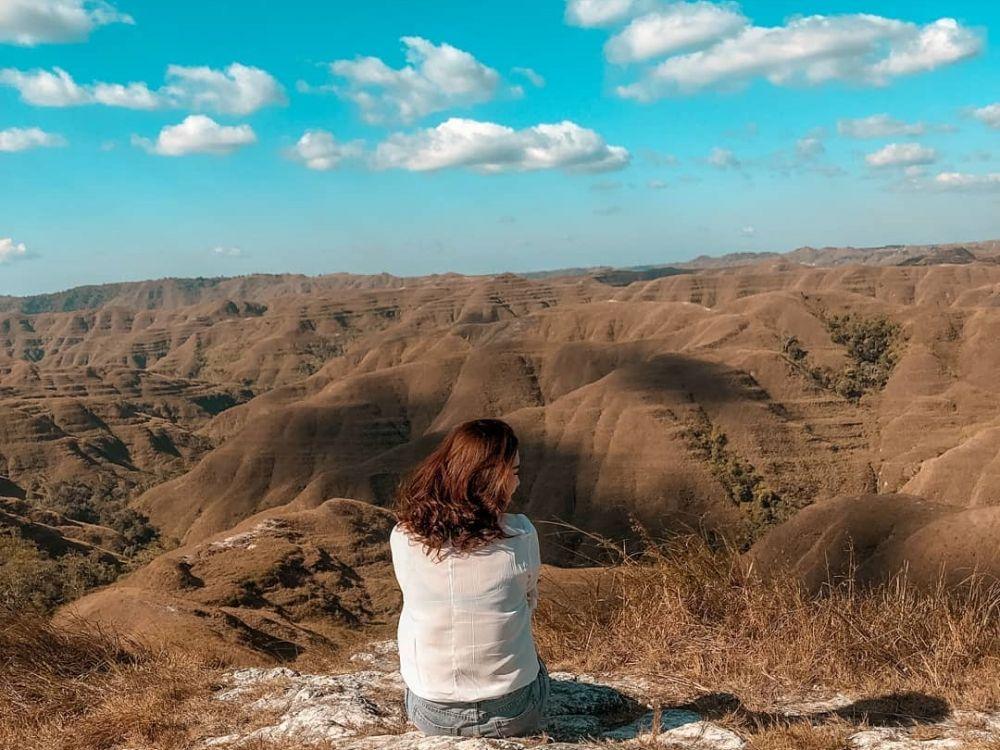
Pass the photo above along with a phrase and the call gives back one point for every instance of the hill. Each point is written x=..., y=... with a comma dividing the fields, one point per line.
x=719, y=399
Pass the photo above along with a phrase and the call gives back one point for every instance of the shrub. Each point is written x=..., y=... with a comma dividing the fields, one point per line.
x=873, y=347
x=742, y=482
x=31, y=581
x=102, y=506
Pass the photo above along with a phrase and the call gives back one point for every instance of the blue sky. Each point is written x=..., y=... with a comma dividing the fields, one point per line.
x=518, y=136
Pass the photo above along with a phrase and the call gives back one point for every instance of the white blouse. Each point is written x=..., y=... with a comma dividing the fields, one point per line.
x=465, y=629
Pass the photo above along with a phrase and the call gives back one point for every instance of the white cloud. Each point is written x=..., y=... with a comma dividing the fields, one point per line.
x=878, y=126
x=965, y=182
x=723, y=158
x=604, y=12
x=748, y=231
x=228, y=252
x=22, y=139
x=676, y=27
x=11, y=251
x=437, y=77
x=198, y=134
x=56, y=88
x=31, y=22
x=488, y=147
x=901, y=155
x=861, y=49
x=318, y=149
x=940, y=43
x=534, y=77
x=657, y=185
x=988, y=115
x=809, y=147
x=237, y=90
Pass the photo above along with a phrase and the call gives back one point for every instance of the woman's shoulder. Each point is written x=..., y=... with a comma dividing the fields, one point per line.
x=519, y=523
x=398, y=535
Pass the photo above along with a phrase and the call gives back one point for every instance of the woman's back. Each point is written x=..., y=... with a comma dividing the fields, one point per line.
x=465, y=629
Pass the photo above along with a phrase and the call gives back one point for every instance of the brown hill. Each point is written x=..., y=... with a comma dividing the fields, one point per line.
x=873, y=538
x=722, y=399
x=884, y=255
x=666, y=398
x=280, y=583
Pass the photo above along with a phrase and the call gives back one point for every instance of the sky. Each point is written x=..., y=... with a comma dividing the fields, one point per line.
x=145, y=139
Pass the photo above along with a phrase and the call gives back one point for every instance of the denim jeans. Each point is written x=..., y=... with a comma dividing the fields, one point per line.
x=516, y=714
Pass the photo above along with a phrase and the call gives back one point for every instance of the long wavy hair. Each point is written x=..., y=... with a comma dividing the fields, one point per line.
x=456, y=496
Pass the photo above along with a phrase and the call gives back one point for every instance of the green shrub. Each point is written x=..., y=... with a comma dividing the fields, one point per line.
x=742, y=482
x=31, y=581
x=873, y=348
x=98, y=505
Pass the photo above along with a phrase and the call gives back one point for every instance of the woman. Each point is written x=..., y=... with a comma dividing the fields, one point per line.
x=469, y=575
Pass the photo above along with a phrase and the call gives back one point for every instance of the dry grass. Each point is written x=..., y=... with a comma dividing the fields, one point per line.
x=715, y=640
x=698, y=623
x=83, y=689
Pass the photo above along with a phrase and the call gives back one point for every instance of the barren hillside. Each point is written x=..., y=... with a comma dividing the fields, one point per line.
x=718, y=399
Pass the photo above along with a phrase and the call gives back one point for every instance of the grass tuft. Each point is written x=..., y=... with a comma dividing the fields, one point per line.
x=698, y=622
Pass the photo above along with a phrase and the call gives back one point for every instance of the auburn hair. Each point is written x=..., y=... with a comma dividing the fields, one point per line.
x=456, y=496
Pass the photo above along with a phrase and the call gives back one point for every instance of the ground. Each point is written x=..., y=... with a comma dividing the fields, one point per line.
x=362, y=710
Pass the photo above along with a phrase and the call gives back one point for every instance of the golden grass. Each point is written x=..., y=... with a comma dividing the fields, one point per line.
x=712, y=638
x=697, y=622
x=80, y=688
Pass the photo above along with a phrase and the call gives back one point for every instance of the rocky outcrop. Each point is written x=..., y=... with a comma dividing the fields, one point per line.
x=362, y=710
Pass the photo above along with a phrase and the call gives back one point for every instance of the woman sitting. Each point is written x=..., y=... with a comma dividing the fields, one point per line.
x=469, y=575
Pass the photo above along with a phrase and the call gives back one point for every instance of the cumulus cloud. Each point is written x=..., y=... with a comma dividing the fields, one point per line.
x=988, y=115
x=23, y=139
x=437, y=77
x=748, y=231
x=490, y=148
x=239, y=89
x=56, y=88
x=901, y=155
x=198, y=134
x=878, y=126
x=965, y=182
x=676, y=27
x=604, y=12
x=31, y=22
x=11, y=251
x=940, y=43
x=319, y=150
x=534, y=77
x=859, y=48
x=723, y=158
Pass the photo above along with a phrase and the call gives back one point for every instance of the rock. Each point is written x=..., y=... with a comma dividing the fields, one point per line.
x=316, y=707
x=891, y=739
x=961, y=728
x=364, y=710
x=583, y=709
x=680, y=728
x=420, y=741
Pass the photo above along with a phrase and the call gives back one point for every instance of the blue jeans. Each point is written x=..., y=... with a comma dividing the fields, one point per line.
x=516, y=714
